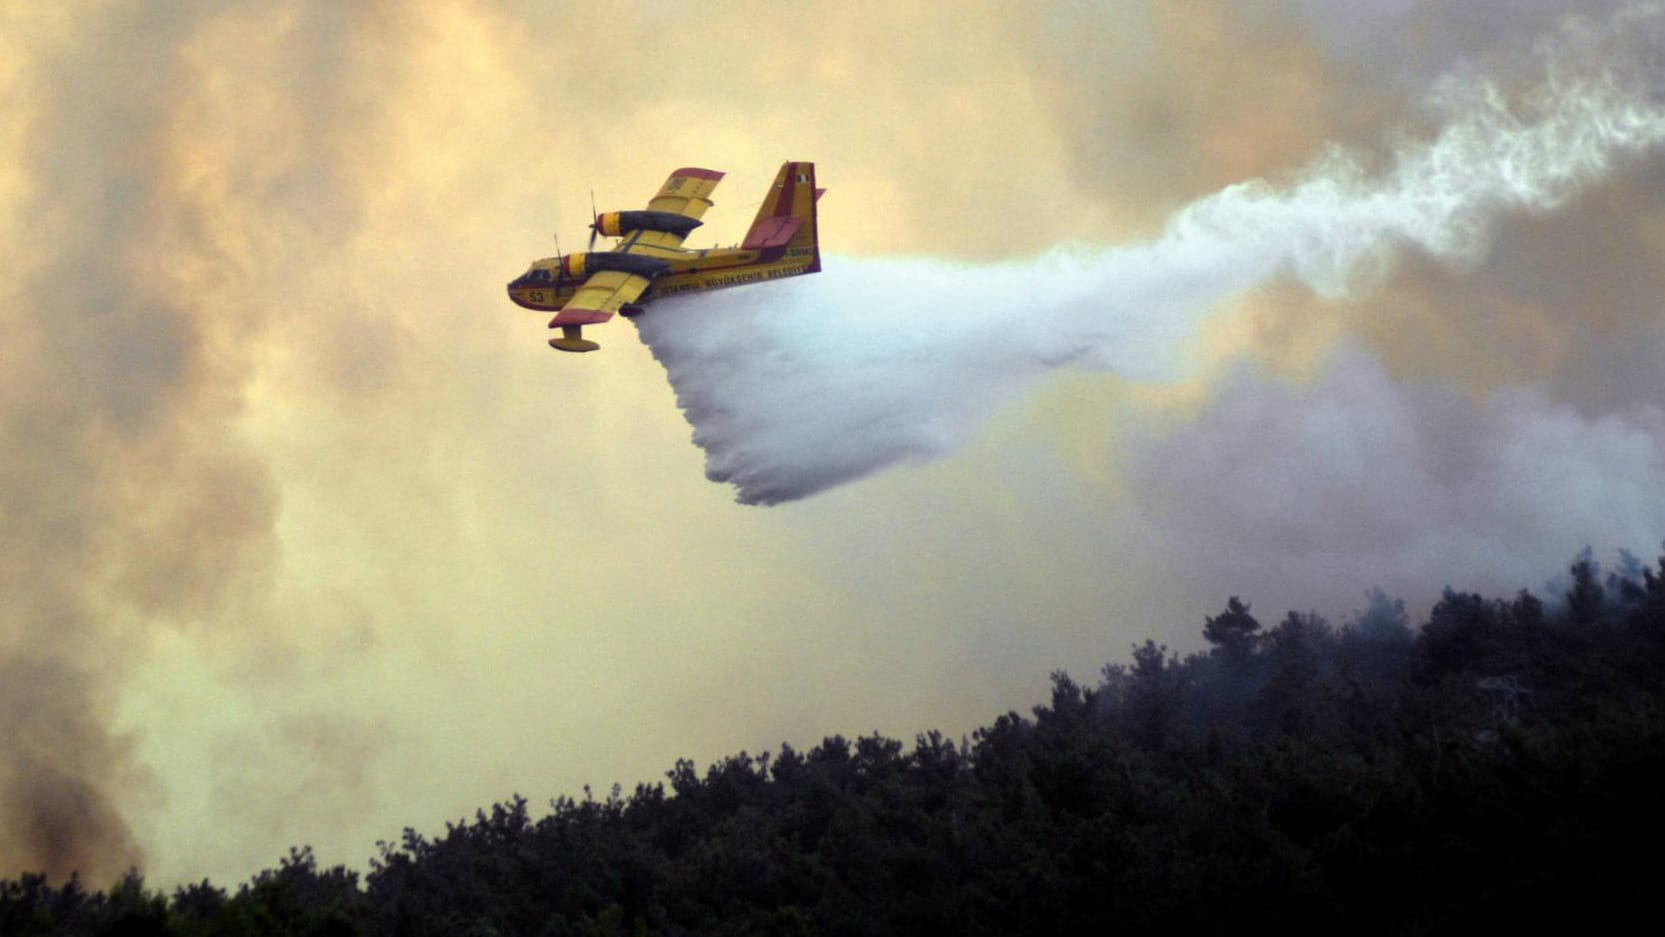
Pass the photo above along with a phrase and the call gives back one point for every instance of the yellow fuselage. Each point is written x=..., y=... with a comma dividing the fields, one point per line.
x=548, y=285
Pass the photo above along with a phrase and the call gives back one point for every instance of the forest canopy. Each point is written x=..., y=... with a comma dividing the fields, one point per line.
x=1497, y=766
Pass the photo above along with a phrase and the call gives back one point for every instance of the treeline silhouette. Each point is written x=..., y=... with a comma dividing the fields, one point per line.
x=1502, y=766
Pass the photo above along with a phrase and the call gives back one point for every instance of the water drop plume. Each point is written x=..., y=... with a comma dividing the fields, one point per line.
x=798, y=386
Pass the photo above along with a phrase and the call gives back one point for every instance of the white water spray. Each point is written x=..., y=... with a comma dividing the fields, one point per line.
x=798, y=386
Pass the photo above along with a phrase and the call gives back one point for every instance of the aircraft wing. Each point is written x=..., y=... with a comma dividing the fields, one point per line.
x=687, y=192
x=600, y=297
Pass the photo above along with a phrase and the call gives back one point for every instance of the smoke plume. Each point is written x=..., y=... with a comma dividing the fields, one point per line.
x=796, y=387
x=126, y=498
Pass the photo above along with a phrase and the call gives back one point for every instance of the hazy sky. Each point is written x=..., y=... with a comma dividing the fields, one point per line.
x=309, y=537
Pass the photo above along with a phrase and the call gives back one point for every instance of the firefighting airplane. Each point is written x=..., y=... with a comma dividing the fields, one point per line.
x=649, y=261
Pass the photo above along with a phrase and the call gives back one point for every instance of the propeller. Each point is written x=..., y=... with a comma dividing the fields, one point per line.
x=595, y=221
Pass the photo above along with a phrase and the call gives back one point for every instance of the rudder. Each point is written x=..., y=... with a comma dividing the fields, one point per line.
x=786, y=221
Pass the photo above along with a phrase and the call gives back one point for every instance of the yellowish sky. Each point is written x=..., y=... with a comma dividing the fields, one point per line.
x=338, y=546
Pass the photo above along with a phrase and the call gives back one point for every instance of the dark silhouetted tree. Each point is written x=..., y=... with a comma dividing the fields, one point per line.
x=1233, y=632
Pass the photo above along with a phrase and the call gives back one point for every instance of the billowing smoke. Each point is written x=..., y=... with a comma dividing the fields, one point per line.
x=127, y=501
x=796, y=387
x=1359, y=478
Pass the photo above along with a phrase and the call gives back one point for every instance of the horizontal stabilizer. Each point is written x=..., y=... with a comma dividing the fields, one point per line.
x=774, y=231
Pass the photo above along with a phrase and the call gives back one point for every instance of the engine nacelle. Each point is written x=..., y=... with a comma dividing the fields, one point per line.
x=583, y=266
x=574, y=266
x=615, y=224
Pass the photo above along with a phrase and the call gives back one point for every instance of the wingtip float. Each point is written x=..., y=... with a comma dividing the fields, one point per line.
x=649, y=260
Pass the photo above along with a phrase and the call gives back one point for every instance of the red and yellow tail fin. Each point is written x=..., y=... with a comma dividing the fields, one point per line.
x=786, y=220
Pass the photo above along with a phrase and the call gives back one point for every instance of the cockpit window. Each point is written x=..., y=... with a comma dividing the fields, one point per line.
x=536, y=275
